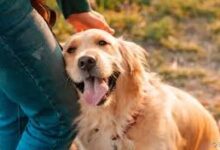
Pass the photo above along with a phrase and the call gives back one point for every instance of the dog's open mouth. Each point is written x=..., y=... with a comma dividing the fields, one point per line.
x=95, y=91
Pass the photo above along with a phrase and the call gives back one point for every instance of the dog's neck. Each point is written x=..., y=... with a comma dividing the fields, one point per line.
x=132, y=120
x=128, y=95
x=128, y=104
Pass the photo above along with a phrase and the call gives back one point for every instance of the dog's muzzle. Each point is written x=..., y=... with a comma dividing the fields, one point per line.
x=95, y=89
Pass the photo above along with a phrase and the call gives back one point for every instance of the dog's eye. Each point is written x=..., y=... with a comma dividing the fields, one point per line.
x=71, y=49
x=102, y=43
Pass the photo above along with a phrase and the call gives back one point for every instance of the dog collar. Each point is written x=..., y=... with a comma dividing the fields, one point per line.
x=131, y=123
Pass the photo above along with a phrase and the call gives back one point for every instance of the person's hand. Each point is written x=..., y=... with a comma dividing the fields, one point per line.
x=89, y=20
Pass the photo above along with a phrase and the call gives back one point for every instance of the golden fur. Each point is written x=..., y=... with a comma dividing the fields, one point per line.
x=167, y=118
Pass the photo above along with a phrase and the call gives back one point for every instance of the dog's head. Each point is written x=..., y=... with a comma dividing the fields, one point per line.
x=98, y=62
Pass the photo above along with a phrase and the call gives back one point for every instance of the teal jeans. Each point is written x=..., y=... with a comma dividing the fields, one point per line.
x=37, y=101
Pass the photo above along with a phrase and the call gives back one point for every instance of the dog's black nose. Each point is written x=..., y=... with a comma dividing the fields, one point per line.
x=86, y=63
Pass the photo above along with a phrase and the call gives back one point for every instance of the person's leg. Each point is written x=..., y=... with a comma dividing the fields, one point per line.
x=33, y=76
x=12, y=123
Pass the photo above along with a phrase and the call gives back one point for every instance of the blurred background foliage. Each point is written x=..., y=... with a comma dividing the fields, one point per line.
x=181, y=36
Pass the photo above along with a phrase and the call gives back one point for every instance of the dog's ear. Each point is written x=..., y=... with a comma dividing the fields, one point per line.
x=134, y=56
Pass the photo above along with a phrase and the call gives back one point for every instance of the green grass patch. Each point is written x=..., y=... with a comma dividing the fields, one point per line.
x=129, y=24
x=160, y=29
x=188, y=8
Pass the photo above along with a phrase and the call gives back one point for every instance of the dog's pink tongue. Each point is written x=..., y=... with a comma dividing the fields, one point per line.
x=94, y=91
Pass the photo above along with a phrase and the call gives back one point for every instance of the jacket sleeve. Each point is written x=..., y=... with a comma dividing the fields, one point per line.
x=73, y=6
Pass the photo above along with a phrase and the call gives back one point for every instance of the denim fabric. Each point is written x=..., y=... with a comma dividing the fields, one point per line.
x=37, y=101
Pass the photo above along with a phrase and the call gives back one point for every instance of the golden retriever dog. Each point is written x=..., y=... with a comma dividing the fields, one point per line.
x=124, y=106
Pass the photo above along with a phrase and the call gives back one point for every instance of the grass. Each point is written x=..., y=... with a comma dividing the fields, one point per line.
x=187, y=8
x=176, y=45
x=213, y=82
x=160, y=29
x=127, y=24
x=179, y=73
x=215, y=27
